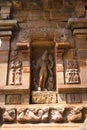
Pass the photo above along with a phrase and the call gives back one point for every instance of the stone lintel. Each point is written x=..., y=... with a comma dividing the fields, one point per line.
x=14, y=89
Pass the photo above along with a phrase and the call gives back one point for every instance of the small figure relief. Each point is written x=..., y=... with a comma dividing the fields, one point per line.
x=50, y=83
x=32, y=115
x=12, y=73
x=18, y=72
x=57, y=114
x=72, y=64
x=72, y=73
x=44, y=113
x=43, y=75
x=15, y=69
x=72, y=76
x=9, y=116
x=75, y=115
x=28, y=115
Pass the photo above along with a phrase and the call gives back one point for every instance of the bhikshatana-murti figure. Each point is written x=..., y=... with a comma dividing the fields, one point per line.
x=43, y=69
x=43, y=65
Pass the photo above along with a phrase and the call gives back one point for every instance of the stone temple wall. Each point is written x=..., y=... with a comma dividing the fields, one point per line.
x=43, y=63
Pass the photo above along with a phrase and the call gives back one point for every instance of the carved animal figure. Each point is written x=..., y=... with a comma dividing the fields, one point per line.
x=75, y=115
x=57, y=114
x=28, y=115
x=9, y=116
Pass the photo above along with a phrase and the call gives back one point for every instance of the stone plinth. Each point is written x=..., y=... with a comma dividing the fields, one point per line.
x=43, y=97
x=41, y=126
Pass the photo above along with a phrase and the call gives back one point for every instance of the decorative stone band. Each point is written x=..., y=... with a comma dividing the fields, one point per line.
x=36, y=114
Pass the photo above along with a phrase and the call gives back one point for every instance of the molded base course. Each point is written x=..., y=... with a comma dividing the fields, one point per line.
x=42, y=126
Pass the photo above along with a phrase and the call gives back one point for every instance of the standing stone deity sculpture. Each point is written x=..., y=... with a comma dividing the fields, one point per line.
x=44, y=67
x=43, y=70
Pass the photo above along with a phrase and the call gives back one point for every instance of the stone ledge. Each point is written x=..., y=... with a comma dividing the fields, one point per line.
x=42, y=126
x=14, y=89
x=43, y=97
x=8, y=24
x=70, y=88
x=77, y=22
x=80, y=31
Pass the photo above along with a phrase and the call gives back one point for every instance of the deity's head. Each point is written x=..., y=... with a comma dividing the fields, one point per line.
x=45, y=55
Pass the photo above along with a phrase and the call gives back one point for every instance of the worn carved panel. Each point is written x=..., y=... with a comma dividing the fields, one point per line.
x=43, y=97
x=15, y=68
x=72, y=72
x=13, y=99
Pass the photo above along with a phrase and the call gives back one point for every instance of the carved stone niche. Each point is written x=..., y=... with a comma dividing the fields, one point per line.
x=42, y=70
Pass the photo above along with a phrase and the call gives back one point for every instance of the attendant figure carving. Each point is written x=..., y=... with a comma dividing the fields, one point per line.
x=15, y=69
x=72, y=72
x=18, y=72
x=12, y=73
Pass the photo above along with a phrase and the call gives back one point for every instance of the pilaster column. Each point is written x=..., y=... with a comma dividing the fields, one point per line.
x=59, y=66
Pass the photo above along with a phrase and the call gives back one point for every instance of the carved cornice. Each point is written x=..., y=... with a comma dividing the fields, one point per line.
x=8, y=24
x=77, y=23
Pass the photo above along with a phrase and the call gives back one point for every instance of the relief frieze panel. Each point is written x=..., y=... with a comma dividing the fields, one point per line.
x=75, y=114
x=9, y=115
x=13, y=99
x=72, y=72
x=48, y=114
x=15, y=69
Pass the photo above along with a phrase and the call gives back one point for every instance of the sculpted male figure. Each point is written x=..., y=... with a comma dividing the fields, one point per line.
x=43, y=66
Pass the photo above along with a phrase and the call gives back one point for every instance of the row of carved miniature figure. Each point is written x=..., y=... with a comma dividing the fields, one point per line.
x=46, y=115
